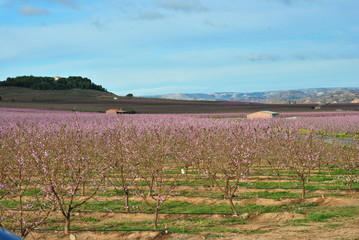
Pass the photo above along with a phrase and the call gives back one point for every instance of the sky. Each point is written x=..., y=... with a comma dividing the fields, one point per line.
x=150, y=47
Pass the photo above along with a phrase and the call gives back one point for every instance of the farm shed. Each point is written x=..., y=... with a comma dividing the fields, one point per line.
x=263, y=114
x=115, y=111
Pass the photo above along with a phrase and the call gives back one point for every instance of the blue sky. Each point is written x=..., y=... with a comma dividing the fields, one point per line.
x=148, y=47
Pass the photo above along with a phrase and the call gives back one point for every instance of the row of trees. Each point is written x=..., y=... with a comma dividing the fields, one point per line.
x=50, y=83
x=65, y=166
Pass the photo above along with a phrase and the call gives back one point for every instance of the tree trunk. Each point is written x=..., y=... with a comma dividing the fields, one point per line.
x=21, y=211
x=67, y=225
x=303, y=188
x=127, y=201
x=234, y=211
x=211, y=179
x=24, y=233
x=83, y=189
x=151, y=187
x=155, y=220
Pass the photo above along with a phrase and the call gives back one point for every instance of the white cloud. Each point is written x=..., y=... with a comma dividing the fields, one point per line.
x=263, y=57
x=66, y=3
x=150, y=16
x=32, y=11
x=165, y=89
x=183, y=5
x=70, y=3
x=289, y=2
x=100, y=25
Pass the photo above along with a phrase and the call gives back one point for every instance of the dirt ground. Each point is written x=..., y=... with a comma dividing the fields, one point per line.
x=268, y=226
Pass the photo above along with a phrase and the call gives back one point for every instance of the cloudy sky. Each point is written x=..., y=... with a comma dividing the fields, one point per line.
x=148, y=47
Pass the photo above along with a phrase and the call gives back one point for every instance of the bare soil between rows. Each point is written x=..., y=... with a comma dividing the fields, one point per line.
x=269, y=226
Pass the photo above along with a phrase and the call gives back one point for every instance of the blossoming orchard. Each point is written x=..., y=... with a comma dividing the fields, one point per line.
x=67, y=172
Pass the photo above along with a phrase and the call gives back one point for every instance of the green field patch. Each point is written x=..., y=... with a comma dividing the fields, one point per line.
x=32, y=192
x=266, y=194
x=9, y=203
x=107, y=206
x=89, y=220
x=332, y=225
x=185, y=207
x=322, y=178
x=322, y=214
x=297, y=185
x=320, y=217
x=126, y=225
x=216, y=236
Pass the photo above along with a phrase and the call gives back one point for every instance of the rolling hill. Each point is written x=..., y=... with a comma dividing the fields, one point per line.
x=99, y=101
x=311, y=95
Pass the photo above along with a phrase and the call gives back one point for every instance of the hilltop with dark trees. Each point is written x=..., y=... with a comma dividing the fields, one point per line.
x=52, y=83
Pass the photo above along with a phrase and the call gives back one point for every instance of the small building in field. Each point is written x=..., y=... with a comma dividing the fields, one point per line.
x=115, y=111
x=263, y=114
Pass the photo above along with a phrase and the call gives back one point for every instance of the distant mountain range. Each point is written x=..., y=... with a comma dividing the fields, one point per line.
x=310, y=95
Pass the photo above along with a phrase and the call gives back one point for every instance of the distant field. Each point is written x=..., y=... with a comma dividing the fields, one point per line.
x=95, y=101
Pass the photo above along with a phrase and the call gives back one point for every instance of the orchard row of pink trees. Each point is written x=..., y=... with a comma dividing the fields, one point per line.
x=58, y=162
